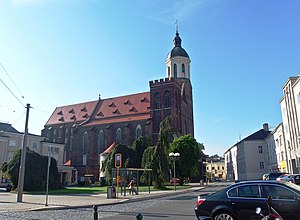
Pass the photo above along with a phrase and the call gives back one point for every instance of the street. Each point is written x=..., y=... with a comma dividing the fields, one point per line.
x=180, y=206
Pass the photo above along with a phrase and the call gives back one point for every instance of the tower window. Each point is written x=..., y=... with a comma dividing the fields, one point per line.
x=168, y=100
x=175, y=70
x=157, y=101
x=182, y=68
x=169, y=72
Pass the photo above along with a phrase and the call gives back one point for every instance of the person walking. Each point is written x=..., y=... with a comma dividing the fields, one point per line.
x=132, y=188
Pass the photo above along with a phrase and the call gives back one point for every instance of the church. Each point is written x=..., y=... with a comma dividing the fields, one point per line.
x=88, y=129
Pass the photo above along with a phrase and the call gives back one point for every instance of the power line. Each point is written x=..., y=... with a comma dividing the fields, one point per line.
x=11, y=79
x=10, y=89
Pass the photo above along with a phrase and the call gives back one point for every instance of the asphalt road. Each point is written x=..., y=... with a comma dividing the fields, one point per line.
x=179, y=206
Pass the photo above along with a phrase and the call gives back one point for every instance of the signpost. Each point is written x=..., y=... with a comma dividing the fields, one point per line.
x=118, y=165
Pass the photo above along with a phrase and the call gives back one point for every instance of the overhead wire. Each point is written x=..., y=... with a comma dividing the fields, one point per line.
x=9, y=88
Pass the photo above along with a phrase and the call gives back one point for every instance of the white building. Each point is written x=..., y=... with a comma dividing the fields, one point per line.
x=247, y=159
x=290, y=110
x=11, y=140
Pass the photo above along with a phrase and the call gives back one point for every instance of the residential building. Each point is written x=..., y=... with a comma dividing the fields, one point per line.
x=11, y=140
x=216, y=167
x=246, y=160
x=290, y=110
x=88, y=129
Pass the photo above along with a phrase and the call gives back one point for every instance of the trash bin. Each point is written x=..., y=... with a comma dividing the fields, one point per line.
x=111, y=192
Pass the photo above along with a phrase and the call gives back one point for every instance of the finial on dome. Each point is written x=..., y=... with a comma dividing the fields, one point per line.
x=176, y=25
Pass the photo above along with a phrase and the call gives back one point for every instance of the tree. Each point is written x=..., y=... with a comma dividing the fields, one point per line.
x=189, y=149
x=35, y=178
x=156, y=158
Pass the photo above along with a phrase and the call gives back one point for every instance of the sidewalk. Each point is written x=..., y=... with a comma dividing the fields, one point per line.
x=8, y=201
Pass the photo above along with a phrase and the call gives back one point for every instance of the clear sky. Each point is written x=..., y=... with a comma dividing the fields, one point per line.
x=61, y=52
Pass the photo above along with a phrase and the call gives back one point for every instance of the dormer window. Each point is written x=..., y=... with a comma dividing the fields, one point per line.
x=72, y=111
x=60, y=113
x=84, y=109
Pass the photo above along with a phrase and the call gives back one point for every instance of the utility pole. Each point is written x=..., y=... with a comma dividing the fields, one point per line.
x=23, y=158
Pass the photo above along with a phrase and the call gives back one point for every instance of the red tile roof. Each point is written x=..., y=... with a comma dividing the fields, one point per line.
x=111, y=110
x=110, y=148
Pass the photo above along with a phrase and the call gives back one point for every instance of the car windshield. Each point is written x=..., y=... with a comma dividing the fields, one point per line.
x=294, y=186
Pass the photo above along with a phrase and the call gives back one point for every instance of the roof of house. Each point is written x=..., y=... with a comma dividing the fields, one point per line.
x=8, y=128
x=259, y=135
x=111, y=110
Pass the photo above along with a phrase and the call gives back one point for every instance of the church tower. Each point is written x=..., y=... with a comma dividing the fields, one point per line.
x=173, y=95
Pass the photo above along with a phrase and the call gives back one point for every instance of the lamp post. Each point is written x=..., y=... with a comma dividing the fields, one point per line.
x=48, y=174
x=174, y=157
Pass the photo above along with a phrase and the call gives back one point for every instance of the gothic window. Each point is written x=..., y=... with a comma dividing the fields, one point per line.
x=84, y=147
x=101, y=142
x=182, y=68
x=138, y=131
x=175, y=70
x=119, y=135
x=66, y=135
x=168, y=100
x=54, y=135
x=157, y=101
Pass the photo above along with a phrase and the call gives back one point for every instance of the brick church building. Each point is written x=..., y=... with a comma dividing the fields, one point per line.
x=88, y=129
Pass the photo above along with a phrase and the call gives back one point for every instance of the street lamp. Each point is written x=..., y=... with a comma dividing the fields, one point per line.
x=174, y=157
x=48, y=173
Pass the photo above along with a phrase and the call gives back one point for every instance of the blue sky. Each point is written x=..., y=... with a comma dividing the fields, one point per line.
x=61, y=52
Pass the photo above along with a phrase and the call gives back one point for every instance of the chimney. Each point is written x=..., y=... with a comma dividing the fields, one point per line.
x=266, y=126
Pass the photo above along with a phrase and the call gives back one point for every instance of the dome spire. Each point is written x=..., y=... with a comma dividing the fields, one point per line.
x=177, y=39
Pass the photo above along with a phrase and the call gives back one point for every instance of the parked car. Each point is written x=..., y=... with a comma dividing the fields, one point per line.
x=175, y=180
x=295, y=179
x=279, y=178
x=5, y=183
x=239, y=201
x=273, y=175
x=287, y=178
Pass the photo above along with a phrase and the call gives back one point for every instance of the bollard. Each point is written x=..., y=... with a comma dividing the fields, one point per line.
x=95, y=212
x=139, y=216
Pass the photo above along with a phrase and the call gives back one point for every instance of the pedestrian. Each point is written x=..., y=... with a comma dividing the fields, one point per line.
x=132, y=188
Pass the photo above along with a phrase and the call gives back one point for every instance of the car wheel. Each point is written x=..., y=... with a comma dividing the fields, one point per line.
x=223, y=216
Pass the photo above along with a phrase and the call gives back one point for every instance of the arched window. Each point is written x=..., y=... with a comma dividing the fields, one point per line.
x=84, y=147
x=168, y=100
x=138, y=131
x=101, y=142
x=175, y=70
x=66, y=135
x=182, y=68
x=54, y=135
x=119, y=135
x=157, y=101
x=169, y=72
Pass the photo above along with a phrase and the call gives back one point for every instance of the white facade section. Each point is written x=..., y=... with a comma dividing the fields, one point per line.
x=290, y=118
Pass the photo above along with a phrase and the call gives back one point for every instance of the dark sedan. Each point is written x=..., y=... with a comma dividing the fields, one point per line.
x=240, y=200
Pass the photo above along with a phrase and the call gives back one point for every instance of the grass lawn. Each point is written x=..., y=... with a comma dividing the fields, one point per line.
x=96, y=190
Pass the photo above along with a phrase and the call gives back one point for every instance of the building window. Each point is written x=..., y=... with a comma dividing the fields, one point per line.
x=157, y=101
x=138, y=131
x=182, y=68
x=12, y=143
x=101, y=141
x=34, y=145
x=54, y=135
x=168, y=100
x=175, y=70
x=119, y=135
x=84, y=147
x=262, y=165
x=66, y=135
x=260, y=150
x=169, y=72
